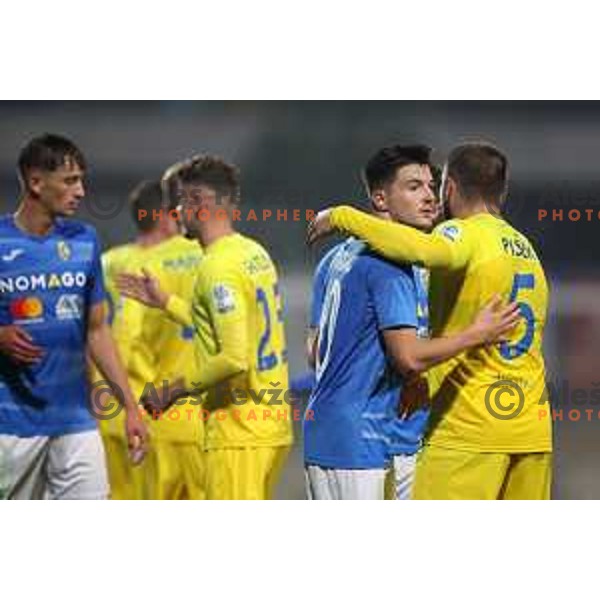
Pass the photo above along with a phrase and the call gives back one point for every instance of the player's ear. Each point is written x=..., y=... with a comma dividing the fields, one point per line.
x=451, y=187
x=34, y=181
x=379, y=202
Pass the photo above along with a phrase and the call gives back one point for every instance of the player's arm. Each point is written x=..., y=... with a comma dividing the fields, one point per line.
x=147, y=290
x=316, y=306
x=18, y=345
x=312, y=343
x=397, y=242
x=103, y=351
x=221, y=292
x=412, y=355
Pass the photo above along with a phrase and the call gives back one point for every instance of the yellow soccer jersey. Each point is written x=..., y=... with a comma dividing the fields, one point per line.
x=163, y=350
x=241, y=356
x=490, y=399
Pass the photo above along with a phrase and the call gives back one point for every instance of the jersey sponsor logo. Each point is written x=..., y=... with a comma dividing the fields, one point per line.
x=181, y=263
x=14, y=253
x=452, y=232
x=26, y=309
x=64, y=250
x=42, y=281
x=69, y=306
x=224, y=298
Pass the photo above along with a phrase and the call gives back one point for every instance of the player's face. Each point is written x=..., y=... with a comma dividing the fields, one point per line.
x=200, y=204
x=410, y=198
x=60, y=191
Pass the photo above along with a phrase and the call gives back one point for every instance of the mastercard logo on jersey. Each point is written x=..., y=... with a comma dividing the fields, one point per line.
x=30, y=307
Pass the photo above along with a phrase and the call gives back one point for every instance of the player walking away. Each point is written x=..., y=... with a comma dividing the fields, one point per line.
x=51, y=316
x=372, y=320
x=488, y=437
x=241, y=357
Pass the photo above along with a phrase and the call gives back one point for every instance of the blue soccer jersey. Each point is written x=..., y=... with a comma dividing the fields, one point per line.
x=353, y=422
x=47, y=286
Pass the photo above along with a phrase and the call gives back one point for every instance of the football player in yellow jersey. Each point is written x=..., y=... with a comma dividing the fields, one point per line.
x=241, y=357
x=126, y=480
x=163, y=352
x=490, y=431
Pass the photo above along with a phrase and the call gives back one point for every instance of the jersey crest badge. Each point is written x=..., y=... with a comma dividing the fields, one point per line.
x=64, y=250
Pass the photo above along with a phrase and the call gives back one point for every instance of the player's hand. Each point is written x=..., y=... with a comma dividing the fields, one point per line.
x=495, y=322
x=144, y=288
x=18, y=345
x=161, y=399
x=319, y=226
x=414, y=396
x=137, y=436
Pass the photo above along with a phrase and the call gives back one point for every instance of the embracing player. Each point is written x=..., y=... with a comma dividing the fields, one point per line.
x=239, y=337
x=51, y=317
x=488, y=438
x=370, y=322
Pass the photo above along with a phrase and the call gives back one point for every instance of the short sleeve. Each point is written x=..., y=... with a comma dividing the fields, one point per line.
x=97, y=291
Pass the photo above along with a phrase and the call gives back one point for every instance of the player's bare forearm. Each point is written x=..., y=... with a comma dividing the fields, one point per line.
x=312, y=341
x=396, y=242
x=412, y=355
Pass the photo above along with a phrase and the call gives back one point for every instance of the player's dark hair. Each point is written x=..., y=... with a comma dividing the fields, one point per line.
x=480, y=170
x=382, y=167
x=213, y=172
x=48, y=152
x=146, y=196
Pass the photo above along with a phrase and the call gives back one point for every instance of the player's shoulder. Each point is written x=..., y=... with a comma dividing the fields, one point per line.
x=176, y=254
x=116, y=252
x=375, y=269
x=455, y=229
x=74, y=228
x=235, y=252
x=6, y=222
x=125, y=255
x=326, y=260
x=248, y=246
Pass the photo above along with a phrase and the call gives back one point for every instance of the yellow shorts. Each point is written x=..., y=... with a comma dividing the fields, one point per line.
x=174, y=471
x=243, y=473
x=448, y=474
x=126, y=480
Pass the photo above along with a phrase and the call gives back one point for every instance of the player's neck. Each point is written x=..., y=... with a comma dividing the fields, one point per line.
x=473, y=209
x=212, y=231
x=30, y=217
x=146, y=239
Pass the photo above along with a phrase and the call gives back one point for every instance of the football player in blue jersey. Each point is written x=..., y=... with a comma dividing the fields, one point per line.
x=369, y=324
x=51, y=318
